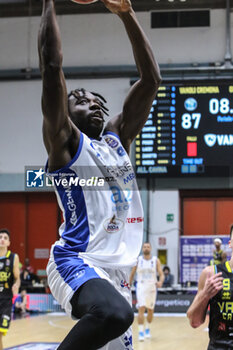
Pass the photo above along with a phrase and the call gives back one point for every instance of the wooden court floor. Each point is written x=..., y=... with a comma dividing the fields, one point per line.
x=168, y=333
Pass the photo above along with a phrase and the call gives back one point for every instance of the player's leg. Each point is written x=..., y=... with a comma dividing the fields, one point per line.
x=149, y=318
x=150, y=304
x=141, y=305
x=104, y=315
x=5, y=318
x=141, y=312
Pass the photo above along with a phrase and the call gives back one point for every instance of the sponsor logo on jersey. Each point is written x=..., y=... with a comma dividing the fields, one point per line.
x=8, y=262
x=121, y=199
x=129, y=178
x=125, y=284
x=111, y=142
x=113, y=225
x=4, y=276
x=135, y=220
x=120, y=151
x=190, y=104
x=221, y=140
x=120, y=170
x=80, y=274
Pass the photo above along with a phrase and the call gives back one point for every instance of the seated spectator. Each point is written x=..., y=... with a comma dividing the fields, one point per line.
x=20, y=303
x=168, y=277
x=28, y=279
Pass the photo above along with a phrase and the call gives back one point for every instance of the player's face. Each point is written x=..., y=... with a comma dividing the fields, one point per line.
x=146, y=249
x=86, y=114
x=4, y=240
x=217, y=245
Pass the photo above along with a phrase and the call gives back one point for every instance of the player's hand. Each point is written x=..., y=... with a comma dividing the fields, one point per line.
x=118, y=6
x=159, y=284
x=213, y=284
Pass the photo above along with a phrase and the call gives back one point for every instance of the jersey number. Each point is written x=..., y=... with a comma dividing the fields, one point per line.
x=226, y=284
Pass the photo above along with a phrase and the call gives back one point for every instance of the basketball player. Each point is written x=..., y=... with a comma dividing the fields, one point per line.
x=215, y=289
x=88, y=269
x=147, y=268
x=219, y=256
x=9, y=281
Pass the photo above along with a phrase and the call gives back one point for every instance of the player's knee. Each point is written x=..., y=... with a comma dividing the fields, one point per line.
x=118, y=320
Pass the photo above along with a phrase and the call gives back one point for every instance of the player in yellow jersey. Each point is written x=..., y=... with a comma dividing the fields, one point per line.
x=215, y=289
x=9, y=281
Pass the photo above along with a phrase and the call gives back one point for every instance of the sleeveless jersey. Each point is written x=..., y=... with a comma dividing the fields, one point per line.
x=221, y=310
x=217, y=257
x=6, y=275
x=103, y=224
x=146, y=270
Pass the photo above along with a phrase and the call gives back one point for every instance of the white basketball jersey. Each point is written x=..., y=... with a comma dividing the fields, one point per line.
x=103, y=224
x=146, y=270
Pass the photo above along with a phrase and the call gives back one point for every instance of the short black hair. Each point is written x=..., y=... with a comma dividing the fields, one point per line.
x=77, y=93
x=231, y=230
x=166, y=268
x=5, y=230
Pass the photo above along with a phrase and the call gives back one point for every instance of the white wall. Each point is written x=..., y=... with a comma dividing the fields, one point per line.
x=162, y=203
x=100, y=39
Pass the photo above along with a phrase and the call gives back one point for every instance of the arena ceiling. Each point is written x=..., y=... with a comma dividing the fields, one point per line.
x=18, y=8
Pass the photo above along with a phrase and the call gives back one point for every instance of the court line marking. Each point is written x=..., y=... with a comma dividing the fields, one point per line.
x=53, y=324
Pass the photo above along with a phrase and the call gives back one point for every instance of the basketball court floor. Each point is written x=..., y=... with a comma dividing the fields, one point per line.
x=44, y=332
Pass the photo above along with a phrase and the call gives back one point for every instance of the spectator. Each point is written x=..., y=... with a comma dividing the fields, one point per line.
x=28, y=279
x=20, y=303
x=168, y=277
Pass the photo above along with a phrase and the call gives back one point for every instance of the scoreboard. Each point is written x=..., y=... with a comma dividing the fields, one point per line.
x=189, y=131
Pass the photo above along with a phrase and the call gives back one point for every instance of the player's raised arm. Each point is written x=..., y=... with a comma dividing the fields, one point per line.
x=209, y=285
x=57, y=127
x=139, y=100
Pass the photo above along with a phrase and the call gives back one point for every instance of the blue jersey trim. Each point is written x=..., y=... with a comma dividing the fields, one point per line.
x=112, y=133
x=76, y=231
x=72, y=160
x=72, y=268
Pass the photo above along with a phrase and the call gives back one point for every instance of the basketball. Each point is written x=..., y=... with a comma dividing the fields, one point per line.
x=84, y=2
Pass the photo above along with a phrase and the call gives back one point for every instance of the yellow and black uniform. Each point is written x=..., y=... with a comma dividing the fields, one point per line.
x=6, y=283
x=217, y=257
x=221, y=312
